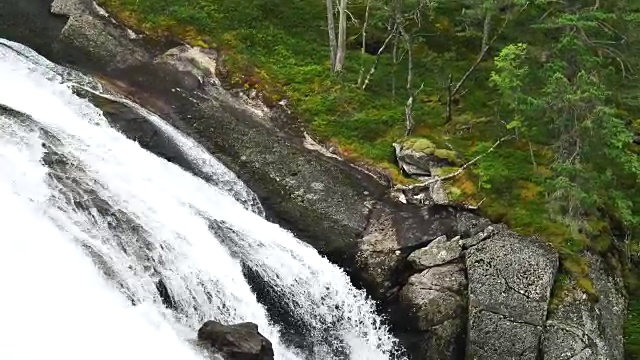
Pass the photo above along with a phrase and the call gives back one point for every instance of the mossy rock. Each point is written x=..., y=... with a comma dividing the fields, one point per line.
x=449, y=155
x=421, y=145
x=428, y=147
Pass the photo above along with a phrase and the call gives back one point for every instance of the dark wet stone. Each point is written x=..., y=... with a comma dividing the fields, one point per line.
x=236, y=342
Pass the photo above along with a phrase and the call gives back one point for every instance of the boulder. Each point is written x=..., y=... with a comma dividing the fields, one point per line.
x=199, y=62
x=420, y=157
x=92, y=40
x=510, y=280
x=71, y=7
x=438, y=252
x=241, y=341
x=435, y=301
x=379, y=256
x=581, y=328
x=393, y=232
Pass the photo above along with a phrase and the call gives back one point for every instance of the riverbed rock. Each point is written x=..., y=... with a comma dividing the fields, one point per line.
x=240, y=341
x=395, y=232
x=579, y=327
x=510, y=280
x=89, y=38
x=379, y=256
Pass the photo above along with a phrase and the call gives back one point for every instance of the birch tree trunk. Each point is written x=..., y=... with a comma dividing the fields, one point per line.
x=364, y=43
x=342, y=37
x=333, y=45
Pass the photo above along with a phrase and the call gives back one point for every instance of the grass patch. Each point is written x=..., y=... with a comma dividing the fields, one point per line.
x=280, y=48
x=632, y=330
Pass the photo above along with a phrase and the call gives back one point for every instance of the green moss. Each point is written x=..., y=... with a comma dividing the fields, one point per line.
x=562, y=285
x=444, y=171
x=632, y=330
x=284, y=53
x=422, y=145
x=447, y=154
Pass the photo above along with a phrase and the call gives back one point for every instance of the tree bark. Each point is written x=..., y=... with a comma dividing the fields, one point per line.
x=394, y=66
x=333, y=45
x=486, y=45
x=375, y=64
x=342, y=36
x=364, y=43
x=408, y=108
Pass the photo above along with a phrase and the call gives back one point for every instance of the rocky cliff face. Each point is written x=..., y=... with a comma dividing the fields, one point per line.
x=454, y=285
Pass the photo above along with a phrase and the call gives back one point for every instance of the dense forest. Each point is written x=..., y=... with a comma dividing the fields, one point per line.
x=554, y=83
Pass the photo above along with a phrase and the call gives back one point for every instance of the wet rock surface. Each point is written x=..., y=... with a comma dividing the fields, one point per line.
x=235, y=342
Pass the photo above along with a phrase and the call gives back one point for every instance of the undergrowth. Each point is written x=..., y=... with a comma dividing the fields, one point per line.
x=280, y=48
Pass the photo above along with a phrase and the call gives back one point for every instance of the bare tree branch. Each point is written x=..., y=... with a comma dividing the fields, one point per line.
x=486, y=45
x=377, y=61
x=395, y=65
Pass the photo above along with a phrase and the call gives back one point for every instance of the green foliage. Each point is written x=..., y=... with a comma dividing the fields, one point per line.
x=632, y=330
x=569, y=106
x=421, y=145
x=560, y=79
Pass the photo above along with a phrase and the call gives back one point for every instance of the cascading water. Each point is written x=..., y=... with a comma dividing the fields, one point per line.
x=109, y=252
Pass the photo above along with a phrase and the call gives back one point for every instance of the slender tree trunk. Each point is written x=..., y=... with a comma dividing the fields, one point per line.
x=398, y=6
x=364, y=43
x=409, y=121
x=449, y=98
x=342, y=36
x=375, y=64
x=332, y=34
x=486, y=44
x=395, y=65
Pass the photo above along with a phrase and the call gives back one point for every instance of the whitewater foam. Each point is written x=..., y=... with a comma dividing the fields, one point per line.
x=95, y=224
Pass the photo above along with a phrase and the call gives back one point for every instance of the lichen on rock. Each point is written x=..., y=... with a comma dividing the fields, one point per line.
x=440, y=251
x=579, y=328
x=510, y=280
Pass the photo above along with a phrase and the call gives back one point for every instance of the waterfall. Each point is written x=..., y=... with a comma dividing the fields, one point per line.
x=109, y=252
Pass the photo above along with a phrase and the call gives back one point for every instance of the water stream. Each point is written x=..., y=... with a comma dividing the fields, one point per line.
x=109, y=252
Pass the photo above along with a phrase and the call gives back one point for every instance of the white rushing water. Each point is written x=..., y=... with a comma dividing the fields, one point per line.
x=109, y=252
